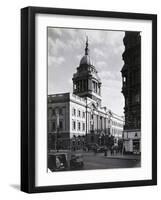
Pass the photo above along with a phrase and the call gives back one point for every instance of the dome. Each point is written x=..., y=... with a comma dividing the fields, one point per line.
x=85, y=60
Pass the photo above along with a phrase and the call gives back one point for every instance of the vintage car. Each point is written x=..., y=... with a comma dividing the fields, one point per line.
x=57, y=162
x=101, y=149
x=96, y=148
x=76, y=161
x=93, y=146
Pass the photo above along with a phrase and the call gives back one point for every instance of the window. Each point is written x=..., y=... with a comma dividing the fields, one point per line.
x=92, y=127
x=83, y=114
x=53, y=112
x=60, y=111
x=74, y=125
x=54, y=126
x=93, y=86
x=79, y=113
x=79, y=126
x=83, y=126
x=61, y=125
x=74, y=112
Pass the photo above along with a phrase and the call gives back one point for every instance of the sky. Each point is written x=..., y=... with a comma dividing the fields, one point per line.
x=65, y=50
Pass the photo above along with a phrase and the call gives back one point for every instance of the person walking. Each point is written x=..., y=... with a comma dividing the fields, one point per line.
x=112, y=150
x=105, y=151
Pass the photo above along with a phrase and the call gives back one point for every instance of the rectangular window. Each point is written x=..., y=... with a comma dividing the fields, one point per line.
x=74, y=125
x=53, y=112
x=83, y=126
x=54, y=126
x=79, y=126
x=79, y=113
x=60, y=111
x=83, y=114
x=74, y=112
x=61, y=125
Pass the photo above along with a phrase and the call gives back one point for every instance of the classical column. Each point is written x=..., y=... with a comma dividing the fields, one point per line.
x=79, y=86
x=96, y=87
x=87, y=87
x=83, y=86
x=97, y=123
x=89, y=84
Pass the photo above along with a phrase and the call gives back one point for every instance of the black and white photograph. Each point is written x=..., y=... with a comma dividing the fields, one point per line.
x=93, y=99
x=89, y=99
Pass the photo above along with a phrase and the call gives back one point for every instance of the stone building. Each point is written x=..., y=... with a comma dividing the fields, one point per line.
x=131, y=89
x=77, y=119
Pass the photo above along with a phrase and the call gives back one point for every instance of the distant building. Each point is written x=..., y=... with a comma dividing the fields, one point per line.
x=131, y=89
x=79, y=118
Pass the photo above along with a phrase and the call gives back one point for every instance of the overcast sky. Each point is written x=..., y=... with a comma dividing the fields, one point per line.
x=65, y=50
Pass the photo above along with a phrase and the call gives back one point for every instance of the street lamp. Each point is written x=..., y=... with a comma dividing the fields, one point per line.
x=91, y=120
x=57, y=127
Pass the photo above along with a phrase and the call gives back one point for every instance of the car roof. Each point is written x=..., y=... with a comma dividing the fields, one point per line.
x=56, y=154
x=77, y=154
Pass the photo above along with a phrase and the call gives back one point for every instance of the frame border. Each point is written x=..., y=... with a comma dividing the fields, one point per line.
x=28, y=98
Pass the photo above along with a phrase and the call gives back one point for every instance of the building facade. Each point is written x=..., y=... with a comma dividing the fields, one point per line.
x=131, y=89
x=77, y=119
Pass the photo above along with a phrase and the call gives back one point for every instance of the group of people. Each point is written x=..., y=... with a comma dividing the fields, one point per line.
x=113, y=150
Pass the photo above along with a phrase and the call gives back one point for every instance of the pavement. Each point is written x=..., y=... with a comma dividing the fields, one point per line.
x=114, y=156
x=99, y=161
x=125, y=157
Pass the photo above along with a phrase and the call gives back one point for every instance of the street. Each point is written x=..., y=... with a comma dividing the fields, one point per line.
x=99, y=161
x=92, y=160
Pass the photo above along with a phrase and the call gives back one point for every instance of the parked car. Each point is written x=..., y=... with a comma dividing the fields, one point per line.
x=101, y=149
x=93, y=146
x=57, y=162
x=76, y=161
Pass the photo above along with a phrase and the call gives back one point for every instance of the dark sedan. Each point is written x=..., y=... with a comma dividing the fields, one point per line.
x=76, y=161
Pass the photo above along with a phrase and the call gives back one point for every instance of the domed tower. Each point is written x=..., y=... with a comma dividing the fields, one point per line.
x=86, y=82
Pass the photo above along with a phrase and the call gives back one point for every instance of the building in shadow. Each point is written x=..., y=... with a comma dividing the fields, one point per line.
x=131, y=89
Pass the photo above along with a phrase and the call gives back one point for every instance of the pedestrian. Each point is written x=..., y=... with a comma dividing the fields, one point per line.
x=95, y=151
x=105, y=151
x=112, y=150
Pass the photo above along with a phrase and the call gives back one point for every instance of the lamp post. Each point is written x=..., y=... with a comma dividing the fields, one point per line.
x=91, y=120
x=86, y=120
x=87, y=104
x=57, y=127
